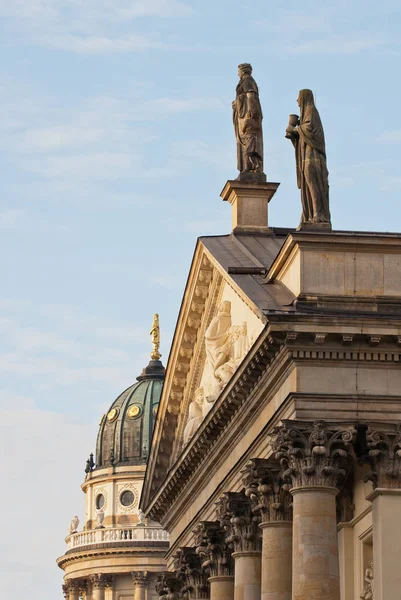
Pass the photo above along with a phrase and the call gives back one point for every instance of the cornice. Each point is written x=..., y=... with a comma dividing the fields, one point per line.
x=112, y=549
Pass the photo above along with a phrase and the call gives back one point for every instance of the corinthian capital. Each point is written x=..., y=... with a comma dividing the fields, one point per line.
x=98, y=581
x=314, y=454
x=189, y=570
x=211, y=547
x=140, y=578
x=234, y=512
x=168, y=586
x=267, y=491
x=385, y=457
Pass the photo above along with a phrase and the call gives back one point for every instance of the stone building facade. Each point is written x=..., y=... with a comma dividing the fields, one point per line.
x=119, y=553
x=276, y=458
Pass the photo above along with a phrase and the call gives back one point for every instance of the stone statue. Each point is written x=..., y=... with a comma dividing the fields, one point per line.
x=367, y=593
x=195, y=415
x=307, y=136
x=99, y=519
x=247, y=118
x=74, y=525
x=232, y=352
x=217, y=333
x=155, y=333
x=141, y=518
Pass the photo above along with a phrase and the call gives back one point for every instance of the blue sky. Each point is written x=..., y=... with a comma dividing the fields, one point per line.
x=116, y=140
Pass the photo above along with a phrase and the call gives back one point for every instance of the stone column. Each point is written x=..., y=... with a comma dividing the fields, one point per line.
x=73, y=590
x=141, y=581
x=215, y=559
x=168, y=586
x=316, y=459
x=98, y=583
x=269, y=494
x=244, y=537
x=385, y=455
x=194, y=578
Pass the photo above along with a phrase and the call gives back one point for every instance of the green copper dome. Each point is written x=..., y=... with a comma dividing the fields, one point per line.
x=126, y=429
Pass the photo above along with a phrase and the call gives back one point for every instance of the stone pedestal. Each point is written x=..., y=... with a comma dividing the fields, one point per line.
x=247, y=575
x=249, y=201
x=386, y=511
x=276, y=560
x=315, y=564
x=221, y=587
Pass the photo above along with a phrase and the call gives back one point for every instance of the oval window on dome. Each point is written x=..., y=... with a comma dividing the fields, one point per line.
x=127, y=498
x=134, y=411
x=112, y=415
x=99, y=501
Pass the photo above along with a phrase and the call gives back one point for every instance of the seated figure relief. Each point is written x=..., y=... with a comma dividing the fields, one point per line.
x=226, y=345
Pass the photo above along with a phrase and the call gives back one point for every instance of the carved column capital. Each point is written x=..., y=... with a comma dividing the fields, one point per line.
x=187, y=564
x=98, y=581
x=168, y=586
x=385, y=457
x=313, y=454
x=140, y=578
x=267, y=491
x=211, y=547
x=234, y=512
x=64, y=587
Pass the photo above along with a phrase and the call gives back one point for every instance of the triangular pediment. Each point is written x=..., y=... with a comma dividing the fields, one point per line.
x=221, y=315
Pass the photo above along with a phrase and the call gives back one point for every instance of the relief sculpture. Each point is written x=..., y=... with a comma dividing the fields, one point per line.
x=226, y=345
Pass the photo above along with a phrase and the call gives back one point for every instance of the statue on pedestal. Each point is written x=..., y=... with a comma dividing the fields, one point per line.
x=155, y=333
x=247, y=118
x=367, y=593
x=74, y=525
x=307, y=136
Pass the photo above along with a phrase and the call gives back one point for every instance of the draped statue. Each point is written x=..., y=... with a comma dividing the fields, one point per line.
x=247, y=118
x=307, y=136
x=367, y=593
x=195, y=415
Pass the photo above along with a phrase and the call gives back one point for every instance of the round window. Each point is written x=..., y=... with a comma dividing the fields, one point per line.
x=99, y=501
x=112, y=415
x=127, y=498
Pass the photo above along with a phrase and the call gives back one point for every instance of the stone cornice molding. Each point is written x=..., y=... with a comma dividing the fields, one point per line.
x=384, y=451
x=212, y=549
x=240, y=523
x=313, y=454
x=267, y=491
x=94, y=553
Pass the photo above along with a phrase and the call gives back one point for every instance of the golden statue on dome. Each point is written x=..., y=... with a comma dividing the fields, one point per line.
x=155, y=333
